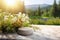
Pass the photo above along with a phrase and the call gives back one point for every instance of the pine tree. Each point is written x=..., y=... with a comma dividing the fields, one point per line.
x=59, y=9
x=54, y=9
x=39, y=13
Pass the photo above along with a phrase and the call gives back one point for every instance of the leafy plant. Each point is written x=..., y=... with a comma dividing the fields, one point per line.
x=35, y=21
x=55, y=21
x=9, y=22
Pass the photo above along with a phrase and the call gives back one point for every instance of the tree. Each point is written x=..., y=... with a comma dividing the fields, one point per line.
x=59, y=9
x=45, y=14
x=39, y=13
x=30, y=12
x=54, y=9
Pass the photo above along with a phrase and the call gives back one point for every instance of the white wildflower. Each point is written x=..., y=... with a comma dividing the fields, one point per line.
x=27, y=21
x=19, y=13
x=23, y=15
x=23, y=19
x=5, y=17
x=12, y=16
x=14, y=19
x=26, y=17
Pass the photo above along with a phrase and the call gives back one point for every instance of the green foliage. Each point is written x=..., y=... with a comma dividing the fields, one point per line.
x=55, y=21
x=31, y=12
x=35, y=17
x=8, y=21
x=58, y=13
x=37, y=21
x=34, y=13
x=55, y=10
x=41, y=22
x=51, y=21
x=26, y=24
x=45, y=14
x=34, y=21
x=39, y=13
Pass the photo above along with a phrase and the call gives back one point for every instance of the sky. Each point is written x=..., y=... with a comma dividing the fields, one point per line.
x=30, y=2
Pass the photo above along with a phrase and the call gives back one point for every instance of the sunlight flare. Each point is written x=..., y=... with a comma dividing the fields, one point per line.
x=10, y=2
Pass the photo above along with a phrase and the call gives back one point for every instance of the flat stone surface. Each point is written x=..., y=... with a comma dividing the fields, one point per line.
x=8, y=36
x=45, y=32
x=13, y=36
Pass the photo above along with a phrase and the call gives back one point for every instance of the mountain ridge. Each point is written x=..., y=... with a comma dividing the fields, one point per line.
x=35, y=6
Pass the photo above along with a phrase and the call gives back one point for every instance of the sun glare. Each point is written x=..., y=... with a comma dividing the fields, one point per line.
x=10, y=2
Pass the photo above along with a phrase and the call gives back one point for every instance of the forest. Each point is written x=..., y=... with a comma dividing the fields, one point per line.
x=49, y=16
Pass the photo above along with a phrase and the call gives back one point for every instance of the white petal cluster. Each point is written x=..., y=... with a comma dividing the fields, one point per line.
x=6, y=18
x=23, y=17
x=13, y=18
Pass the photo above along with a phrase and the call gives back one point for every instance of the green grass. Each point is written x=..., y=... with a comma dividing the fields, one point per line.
x=51, y=21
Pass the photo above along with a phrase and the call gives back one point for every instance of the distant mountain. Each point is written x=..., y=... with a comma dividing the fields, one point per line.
x=34, y=7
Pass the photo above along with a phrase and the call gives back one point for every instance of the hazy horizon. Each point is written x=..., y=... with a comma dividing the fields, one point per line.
x=31, y=2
